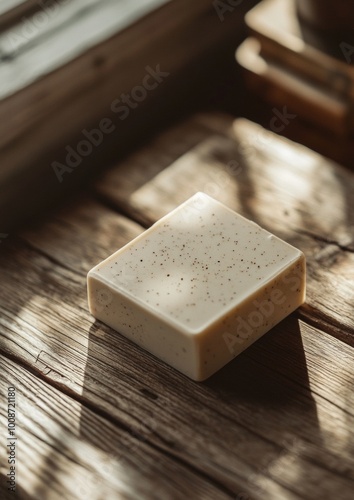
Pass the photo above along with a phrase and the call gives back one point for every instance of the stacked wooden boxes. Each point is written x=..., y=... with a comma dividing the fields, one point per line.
x=290, y=61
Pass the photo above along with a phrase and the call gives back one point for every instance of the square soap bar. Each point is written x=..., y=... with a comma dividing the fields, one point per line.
x=198, y=287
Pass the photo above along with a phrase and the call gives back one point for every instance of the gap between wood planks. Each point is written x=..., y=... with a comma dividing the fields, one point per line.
x=95, y=472
x=108, y=417
x=97, y=224
x=328, y=241
x=309, y=314
x=293, y=215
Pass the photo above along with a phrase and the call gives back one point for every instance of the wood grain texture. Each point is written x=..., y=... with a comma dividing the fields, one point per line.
x=67, y=27
x=266, y=424
x=12, y=11
x=97, y=412
x=66, y=76
x=63, y=78
x=65, y=450
x=291, y=191
x=118, y=186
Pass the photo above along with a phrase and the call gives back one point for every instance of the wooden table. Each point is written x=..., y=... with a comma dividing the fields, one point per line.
x=99, y=418
x=65, y=65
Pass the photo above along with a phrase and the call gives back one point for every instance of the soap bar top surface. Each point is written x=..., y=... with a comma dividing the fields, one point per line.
x=196, y=264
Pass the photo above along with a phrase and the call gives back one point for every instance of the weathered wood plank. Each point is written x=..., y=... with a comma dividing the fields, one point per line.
x=12, y=11
x=65, y=77
x=286, y=188
x=276, y=423
x=8, y=5
x=121, y=182
x=83, y=54
x=65, y=450
x=53, y=33
x=81, y=234
x=303, y=181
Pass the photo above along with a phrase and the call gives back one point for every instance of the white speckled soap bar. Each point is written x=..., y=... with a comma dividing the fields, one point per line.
x=198, y=287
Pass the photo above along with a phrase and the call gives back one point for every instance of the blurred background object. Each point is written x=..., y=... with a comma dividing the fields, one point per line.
x=66, y=66
x=332, y=15
x=295, y=56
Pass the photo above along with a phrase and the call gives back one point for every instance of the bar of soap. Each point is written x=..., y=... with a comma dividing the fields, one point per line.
x=198, y=287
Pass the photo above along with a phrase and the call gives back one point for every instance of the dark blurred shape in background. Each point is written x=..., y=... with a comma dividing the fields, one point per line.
x=300, y=56
x=332, y=21
x=63, y=63
x=332, y=15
